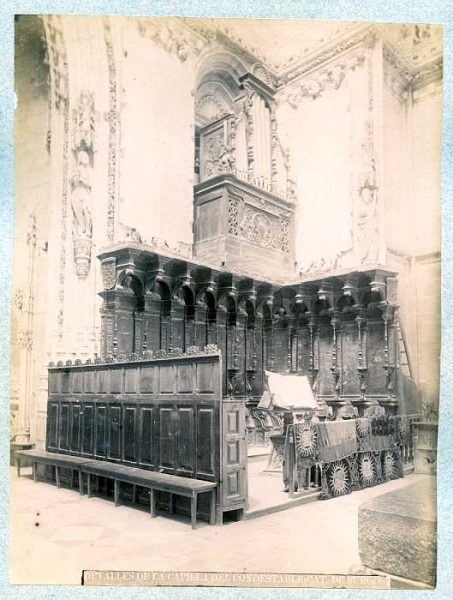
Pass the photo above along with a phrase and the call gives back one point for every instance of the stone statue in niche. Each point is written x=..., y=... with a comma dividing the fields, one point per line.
x=367, y=233
x=83, y=148
x=82, y=223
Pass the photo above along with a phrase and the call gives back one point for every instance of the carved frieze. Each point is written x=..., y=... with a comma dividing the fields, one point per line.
x=59, y=80
x=331, y=77
x=113, y=118
x=173, y=36
x=108, y=273
x=264, y=230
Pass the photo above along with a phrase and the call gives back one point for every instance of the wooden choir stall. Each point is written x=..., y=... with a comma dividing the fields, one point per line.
x=163, y=415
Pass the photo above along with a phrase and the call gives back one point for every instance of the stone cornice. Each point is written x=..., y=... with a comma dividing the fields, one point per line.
x=188, y=37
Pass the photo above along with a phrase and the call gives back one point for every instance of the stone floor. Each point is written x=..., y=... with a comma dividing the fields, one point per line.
x=55, y=534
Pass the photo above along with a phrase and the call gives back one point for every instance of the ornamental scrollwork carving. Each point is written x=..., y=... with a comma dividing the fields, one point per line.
x=329, y=78
x=108, y=273
x=264, y=230
x=217, y=155
x=173, y=36
x=367, y=232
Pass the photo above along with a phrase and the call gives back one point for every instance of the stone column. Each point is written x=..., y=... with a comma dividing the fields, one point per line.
x=26, y=343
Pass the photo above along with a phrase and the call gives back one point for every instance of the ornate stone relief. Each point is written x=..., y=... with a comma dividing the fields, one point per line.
x=59, y=80
x=367, y=234
x=18, y=299
x=216, y=154
x=317, y=83
x=83, y=149
x=25, y=339
x=108, y=273
x=57, y=59
x=173, y=36
x=210, y=108
x=113, y=118
x=260, y=228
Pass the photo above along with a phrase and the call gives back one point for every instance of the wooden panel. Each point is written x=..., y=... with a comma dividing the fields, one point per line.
x=130, y=381
x=101, y=430
x=350, y=349
x=64, y=422
x=103, y=377
x=75, y=428
x=52, y=425
x=65, y=378
x=87, y=428
x=89, y=381
x=206, y=378
x=234, y=488
x=116, y=381
x=77, y=380
x=114, y=431
x=325, y=378
x=166, y=379
x=185, y=444
x=376, y=383
x=146, y=436
x=206, y=442
x=166, y=455
x=130, y=433
x=147, y=380
x=185, y=379
x=54, y=382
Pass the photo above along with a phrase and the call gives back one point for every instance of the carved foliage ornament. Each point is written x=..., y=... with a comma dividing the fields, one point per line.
x=217, y=155
x=108, y=273
x=367, y=234
x=329, y=78
x=173, y=36
x=255, y=226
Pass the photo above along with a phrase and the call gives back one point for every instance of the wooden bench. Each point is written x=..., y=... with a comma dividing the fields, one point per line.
x=152, y=480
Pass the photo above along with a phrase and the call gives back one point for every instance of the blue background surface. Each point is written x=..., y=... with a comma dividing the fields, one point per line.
x=405, y=11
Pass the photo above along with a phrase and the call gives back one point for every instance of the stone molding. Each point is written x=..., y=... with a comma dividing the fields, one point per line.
x=113, y=118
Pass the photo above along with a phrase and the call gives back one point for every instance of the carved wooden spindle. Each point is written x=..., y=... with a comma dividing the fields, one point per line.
x=289, y=351
x=388, y=368
x=361, y=358
x=334, y=368
x=254, y=354
x=311, y=357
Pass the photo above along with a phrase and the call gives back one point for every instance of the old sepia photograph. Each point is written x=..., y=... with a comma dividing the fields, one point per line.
x=225, y=314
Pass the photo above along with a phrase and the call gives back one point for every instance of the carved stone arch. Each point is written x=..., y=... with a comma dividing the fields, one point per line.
x=128, y=280
x=206, y=297
x=368, y=296
x=346, y=302
x=300, y=310
x=260, y=71
x=228, y=301
x=264, y=309
x=155, y=285
x=247, y=307
x=321, y=307
x=217, y=64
